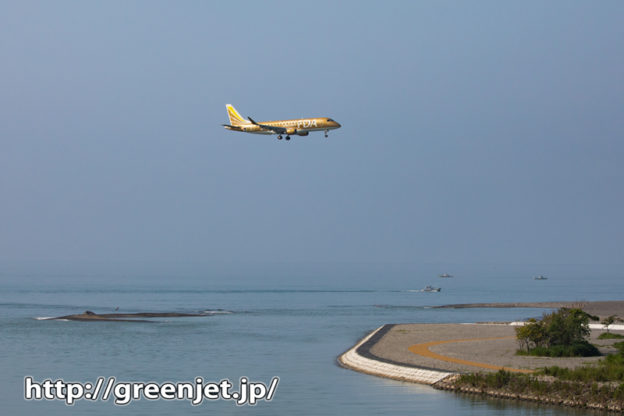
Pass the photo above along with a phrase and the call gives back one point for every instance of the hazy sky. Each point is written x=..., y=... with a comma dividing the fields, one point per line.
x=473, y=132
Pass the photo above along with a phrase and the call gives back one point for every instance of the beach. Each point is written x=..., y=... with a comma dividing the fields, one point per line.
x=469, y=347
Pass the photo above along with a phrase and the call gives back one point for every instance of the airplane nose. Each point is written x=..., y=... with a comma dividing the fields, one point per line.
x=337, y=124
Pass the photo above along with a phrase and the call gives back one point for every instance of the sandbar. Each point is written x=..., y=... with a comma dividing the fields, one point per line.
x=123, y=317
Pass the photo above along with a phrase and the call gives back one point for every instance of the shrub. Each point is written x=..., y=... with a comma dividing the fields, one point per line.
x=559, y=334
x=611, y=368
x=579, y=349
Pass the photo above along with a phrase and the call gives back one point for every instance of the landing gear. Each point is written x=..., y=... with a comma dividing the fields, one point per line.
x=279, y=137
x=287, y=137
x=326, y=133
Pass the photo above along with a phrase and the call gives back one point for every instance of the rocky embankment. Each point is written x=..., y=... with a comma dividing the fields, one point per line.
x=542, y=390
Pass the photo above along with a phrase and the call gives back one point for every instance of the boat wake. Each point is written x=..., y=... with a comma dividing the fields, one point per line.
x=209, y=312
x=49, y=318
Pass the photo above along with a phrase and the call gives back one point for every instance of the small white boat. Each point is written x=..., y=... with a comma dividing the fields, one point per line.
x=540, y=277
x=430, y=289
x=445, y=275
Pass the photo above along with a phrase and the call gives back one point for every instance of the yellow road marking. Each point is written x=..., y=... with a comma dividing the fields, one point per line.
x=423, y=349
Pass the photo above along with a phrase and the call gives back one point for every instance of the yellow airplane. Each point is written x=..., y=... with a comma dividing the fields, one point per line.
x=299, y=126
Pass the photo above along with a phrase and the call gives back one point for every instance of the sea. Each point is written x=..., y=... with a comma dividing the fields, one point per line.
x=291, y=331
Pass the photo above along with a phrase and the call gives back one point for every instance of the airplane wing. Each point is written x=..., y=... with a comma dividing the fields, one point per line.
x=274, y=129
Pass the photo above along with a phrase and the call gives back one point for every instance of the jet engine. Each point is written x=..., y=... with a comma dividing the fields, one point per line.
x=297, y=132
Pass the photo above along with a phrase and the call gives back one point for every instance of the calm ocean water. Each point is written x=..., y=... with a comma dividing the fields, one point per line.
x=293, y=333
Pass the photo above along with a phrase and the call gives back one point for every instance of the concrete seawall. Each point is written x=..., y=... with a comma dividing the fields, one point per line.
x=429, y=353
x=359, y=358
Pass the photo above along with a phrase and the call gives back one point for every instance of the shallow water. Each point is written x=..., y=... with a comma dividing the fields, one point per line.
x=295, y=334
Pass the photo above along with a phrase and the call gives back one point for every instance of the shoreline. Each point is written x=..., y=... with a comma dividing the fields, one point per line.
x=359, y=358
x=599, y=308
x=437, y=354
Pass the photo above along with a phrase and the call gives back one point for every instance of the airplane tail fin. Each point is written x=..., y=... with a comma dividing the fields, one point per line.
x=235, y=118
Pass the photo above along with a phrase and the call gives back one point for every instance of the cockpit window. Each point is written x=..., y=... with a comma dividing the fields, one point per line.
x=329, y=119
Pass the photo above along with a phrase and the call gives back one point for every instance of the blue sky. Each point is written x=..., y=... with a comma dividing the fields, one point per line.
x=473, y=132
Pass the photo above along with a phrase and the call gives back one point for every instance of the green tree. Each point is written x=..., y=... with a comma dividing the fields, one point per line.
x=610, y=320
x=566, y=326
x=531, y=335
x=560, y=333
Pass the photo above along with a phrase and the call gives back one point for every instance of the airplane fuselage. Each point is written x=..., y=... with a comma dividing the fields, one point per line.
x=299, y=126
x=294, y=126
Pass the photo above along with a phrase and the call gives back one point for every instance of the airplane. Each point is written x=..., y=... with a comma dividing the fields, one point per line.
x=299, y=126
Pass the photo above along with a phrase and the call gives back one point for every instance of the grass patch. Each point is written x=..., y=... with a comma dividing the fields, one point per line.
x=601, y=382
x=609, y=335
x=578, y=349
x=610, y=368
